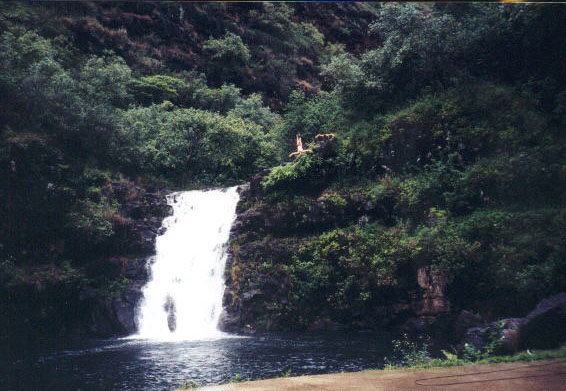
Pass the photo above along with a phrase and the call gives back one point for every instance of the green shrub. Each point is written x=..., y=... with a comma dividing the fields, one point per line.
x=343, y=272
x=441, y=244
x=409, y=352
x=303, y=173
x=228, y=50
x=192, y=146
x=92, y=222
x=251, y=109
x=518, y=260
x=199, y=95
x=228, y=57
x=157, y=88
x=470, y=353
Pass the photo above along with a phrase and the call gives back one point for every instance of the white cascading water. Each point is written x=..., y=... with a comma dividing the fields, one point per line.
x=183, y=299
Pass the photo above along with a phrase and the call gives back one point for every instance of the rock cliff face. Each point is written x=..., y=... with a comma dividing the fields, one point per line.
x=433, y=300
x=246, y=287
x=115, y=313
x=99, y=296
x=263, y=240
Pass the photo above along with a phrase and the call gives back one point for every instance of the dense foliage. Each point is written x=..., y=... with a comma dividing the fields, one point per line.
x=448, y=117
x=454, y=128
x=95, y=116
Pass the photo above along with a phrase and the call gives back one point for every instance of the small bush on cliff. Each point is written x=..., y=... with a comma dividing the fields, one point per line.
x=302, y=175
x=441, y=243
x=91, y=222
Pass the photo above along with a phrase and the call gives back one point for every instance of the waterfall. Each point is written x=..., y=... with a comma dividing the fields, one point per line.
x=183, y=298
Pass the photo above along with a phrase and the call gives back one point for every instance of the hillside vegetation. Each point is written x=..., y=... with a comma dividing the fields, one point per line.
x=449, y=123
x=448, y=168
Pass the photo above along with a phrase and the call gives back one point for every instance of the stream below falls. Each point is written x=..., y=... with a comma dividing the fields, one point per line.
x=138, y=364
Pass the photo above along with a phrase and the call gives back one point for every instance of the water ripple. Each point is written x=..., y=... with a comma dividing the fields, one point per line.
x=138, y=364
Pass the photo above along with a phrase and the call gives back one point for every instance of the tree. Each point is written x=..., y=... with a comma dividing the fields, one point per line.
x=228, y=57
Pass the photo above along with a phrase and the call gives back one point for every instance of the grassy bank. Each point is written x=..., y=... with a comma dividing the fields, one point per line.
x=434, y=363
x=522, y=356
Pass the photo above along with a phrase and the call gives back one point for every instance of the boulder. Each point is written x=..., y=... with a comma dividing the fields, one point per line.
x=466, y=320
x=497, y=337
x=543, y=328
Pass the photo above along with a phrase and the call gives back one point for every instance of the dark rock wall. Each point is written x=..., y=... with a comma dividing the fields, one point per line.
x=263, y=240
x=115, y=313
x=99, y=294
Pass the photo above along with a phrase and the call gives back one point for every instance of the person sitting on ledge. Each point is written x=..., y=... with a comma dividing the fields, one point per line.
x=300, y=151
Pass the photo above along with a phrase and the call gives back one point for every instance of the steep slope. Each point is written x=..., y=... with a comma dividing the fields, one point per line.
x=286, y=43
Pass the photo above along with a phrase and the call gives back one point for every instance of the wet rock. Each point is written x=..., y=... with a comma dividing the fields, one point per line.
x=124, y=307
x=171, y=310
x=229, y=322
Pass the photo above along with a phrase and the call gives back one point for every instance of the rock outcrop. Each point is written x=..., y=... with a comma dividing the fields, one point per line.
x=433, y=285
x=266, y=235
x=543, y=328
x=143, y=210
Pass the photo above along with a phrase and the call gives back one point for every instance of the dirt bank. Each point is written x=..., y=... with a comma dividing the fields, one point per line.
x=549, y=375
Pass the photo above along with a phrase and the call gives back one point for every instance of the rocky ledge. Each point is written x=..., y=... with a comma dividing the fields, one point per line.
x=259, y=291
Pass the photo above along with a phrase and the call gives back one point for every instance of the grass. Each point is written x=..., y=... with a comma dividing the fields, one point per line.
x=523, y=356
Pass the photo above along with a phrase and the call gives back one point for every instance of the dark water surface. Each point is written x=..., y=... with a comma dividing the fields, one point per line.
x=126, y=364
